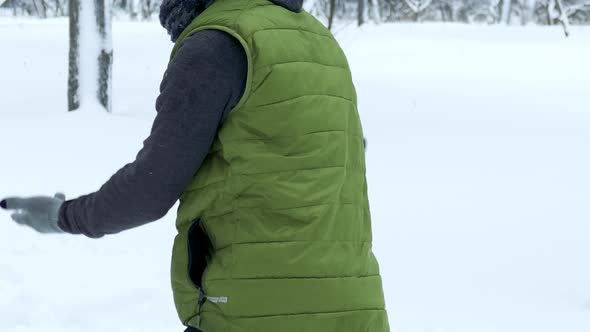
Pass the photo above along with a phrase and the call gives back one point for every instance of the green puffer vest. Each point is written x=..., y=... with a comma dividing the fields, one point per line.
x=280, y=203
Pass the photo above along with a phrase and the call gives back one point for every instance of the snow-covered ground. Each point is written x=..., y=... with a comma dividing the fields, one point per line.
x=478, y=167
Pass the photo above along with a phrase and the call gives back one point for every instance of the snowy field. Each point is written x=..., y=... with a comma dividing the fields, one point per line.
x=478, y=167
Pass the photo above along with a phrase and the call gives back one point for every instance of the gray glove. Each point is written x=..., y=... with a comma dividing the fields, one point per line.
x=38, y=212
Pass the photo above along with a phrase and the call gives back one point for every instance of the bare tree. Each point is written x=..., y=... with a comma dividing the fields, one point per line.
x=501, y=11
x=91, y=55
x=506, y=11
x=59, y=8
x=40, y=8
x=556, y=12
x=361, y=12
x=131, y=8
x=74, y=56
x=417, y=6
x=105, y=58
x=331, y=14
x=527, y=11
x=375, y=10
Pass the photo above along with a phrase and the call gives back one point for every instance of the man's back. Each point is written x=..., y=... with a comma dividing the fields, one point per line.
x=282, y=195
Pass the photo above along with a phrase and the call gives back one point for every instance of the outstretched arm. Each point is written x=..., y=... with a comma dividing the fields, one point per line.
x=202, y=83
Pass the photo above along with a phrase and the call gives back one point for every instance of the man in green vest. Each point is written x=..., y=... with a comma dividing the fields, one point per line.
x=258, y=135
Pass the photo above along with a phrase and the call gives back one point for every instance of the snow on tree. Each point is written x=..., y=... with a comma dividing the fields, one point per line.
x=40, y=7
x=527, y=11
x=417, y=6
x=132, y=8
x=374, y=11
x=467, y=11
x=360, y=12
x=91, y=54
x=501, y=11
x=506, y=11
x=556, y=12
x=148, y=7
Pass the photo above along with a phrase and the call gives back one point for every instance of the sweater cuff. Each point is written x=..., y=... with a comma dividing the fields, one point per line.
x=65, y=220
x=68, y=223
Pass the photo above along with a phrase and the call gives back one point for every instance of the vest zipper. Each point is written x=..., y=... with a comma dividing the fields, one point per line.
x=202, y=299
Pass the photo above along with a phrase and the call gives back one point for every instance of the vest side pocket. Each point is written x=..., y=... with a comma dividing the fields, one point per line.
x=199, y=252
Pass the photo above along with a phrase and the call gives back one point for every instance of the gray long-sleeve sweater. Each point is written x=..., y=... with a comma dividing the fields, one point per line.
x=202, y=83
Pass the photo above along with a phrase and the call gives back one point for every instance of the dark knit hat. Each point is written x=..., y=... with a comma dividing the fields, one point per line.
x=176, y=15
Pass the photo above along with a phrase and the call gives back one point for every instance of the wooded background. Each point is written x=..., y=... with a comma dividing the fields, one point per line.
x=543, y=12
x=90, y=65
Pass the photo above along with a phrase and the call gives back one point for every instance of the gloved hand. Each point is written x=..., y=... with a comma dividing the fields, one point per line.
x=38, y=212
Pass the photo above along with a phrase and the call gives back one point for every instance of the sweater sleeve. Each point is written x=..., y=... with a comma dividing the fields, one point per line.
x=202, y=83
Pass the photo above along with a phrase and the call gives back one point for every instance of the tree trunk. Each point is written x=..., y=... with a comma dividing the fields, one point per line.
x=40, y=8
x=105, y=58
x=145, y=6
x=506, y=11
x=444, y=12
x=131, y=9
x=527, y=11
x=91, y=55
x=43, y=8
x=563, y=18
x=417, y=6
x=74, y=56
x=36, y=7
x=59, y=9
x=331, y=15
x=556, y=12
x=375, y=10
x=361, y=12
